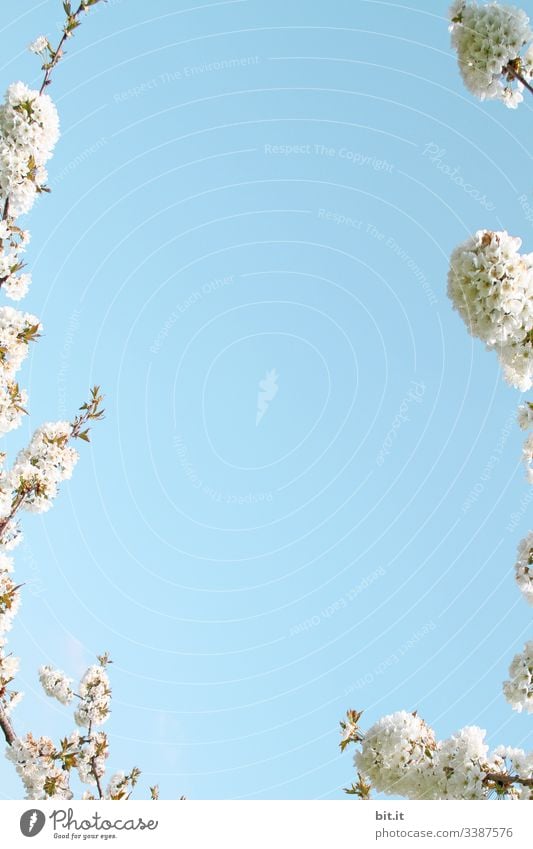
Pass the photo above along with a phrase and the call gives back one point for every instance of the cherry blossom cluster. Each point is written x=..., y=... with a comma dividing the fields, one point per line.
x=491, y=286
x=29, y=131
x=46, y=769
x=524, y=567
x=400, y=755
x=518, y=690
x=493, y=45
x=95, y=696
x=41, y=466
x=13, y=243
x=17, y=331
x=56, y=684
x=525, y=420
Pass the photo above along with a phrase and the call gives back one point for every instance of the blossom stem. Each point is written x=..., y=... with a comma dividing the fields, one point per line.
x=509, y=69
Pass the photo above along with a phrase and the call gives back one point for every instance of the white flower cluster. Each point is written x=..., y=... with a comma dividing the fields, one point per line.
x=525, y=420
x=395, y=753
x=91, y=754
x=490, y=40
x=95, y=692
x=518, y=690
x=400, y=756
x=46, y=769
x=56, y=684
x=29, y=130
x=40, y=468
x=36, y=764
x=515, y=762
x=524, y=567
x=17, y=330
x=13, y=243
x=39, y=46
x=491, y=286
x=9, y=596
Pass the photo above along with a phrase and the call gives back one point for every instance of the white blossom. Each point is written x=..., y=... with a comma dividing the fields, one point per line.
x=92, y=754
x=396, y=754
x=116, y=784
x=43, y=465
x=56, y=684
x=9, y=601
x=518, y=690
x=35, y=762
x=527, y=457
x=488, y=38
x=13, y=243
x=491, y=286
x=39, y=45
x=524, y=567
x=511, y=761
x=17, y=329
x=461, y=765
x=95, y=692
x=525, y=416
x=29, y=130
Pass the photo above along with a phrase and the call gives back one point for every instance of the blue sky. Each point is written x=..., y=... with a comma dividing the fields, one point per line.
x=243, y=193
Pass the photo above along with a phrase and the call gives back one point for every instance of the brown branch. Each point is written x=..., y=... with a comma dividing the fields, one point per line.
x=513, y=72
x=93, y=764
x=17, y=504
x=506, y=780
x=7, y=728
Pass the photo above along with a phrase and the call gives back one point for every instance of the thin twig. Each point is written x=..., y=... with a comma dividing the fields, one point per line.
x=58, y=51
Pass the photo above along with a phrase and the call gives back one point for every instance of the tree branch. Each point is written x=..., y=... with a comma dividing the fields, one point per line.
x=507, y=780
x=516, y=75
x=93, y=764
x=7, y=728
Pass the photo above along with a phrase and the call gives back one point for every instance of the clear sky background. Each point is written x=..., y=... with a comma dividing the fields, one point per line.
x=252, y=581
